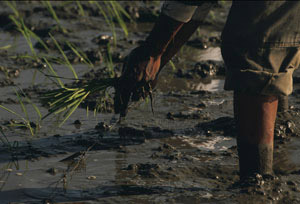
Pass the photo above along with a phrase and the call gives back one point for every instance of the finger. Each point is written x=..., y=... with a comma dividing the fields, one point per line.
x=122, y=96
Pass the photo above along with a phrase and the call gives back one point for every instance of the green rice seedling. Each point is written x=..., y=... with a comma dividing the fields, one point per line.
x=24, y=30
x=30, y=33
x=54, y=73
x=39, y=56
x=113, y=10
x=53, y=13
x=67, y=99
x=13, y=6
x=80, y=54
x=108, y=20
x=6, y=47
x=109, y=62
x=121, y=10
x=21, y=27
x=65, y=3
x=81, y=10
x=87, y=111
x=67, y=62
x=26, y=122
x=172, y=65
x=38, y=112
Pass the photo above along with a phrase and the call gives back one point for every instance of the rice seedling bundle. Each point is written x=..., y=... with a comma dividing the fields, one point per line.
x=66, y=99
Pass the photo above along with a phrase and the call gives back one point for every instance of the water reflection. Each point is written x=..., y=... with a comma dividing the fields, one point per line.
x=213, y=86
x=211, y=53
x=175, y=84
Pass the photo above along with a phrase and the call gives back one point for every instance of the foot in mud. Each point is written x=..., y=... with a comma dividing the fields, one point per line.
x=256, y=184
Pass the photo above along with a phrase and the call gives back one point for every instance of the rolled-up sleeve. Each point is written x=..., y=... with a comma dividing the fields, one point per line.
x=178, y=11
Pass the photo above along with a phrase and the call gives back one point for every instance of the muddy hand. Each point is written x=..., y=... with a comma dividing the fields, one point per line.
x=143, y=64
x=138, y=72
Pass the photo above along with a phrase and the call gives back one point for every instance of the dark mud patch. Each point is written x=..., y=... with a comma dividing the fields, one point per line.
x=6, y=82
x=203, y=69
x=205, y=42
x=143, y=14
x=222, y=126
x=188, y=115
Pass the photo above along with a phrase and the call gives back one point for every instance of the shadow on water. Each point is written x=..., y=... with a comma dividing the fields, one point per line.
x=110, y=166
x=98, y=192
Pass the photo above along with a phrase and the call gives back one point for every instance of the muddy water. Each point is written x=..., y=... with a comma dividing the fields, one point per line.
x=183, y=153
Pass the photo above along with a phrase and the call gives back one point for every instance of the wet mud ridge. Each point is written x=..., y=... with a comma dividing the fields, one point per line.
x=183, y=153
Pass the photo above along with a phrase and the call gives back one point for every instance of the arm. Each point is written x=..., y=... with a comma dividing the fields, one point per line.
x=143, y=64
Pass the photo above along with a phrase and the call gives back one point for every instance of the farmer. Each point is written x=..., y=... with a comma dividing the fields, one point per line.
x=260, y=48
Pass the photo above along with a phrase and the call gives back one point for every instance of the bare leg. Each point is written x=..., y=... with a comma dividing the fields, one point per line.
x=255, y=116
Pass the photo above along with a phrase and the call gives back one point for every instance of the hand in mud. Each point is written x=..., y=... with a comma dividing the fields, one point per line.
x=138, y=75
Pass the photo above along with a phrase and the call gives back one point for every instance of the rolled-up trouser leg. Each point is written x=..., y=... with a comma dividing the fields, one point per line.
x=255, y=116
x=283, y=104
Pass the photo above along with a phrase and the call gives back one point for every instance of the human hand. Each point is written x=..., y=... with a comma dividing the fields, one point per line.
x=139, y=74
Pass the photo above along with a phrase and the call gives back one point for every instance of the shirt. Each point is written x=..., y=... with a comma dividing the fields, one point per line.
x=258, y=23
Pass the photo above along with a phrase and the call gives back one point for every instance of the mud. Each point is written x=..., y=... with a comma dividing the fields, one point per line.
x=184, y=152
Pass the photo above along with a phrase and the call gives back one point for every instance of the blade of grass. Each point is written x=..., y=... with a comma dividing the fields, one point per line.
x=13, y=112
x=80, y=54
x=81, y=10
x=56, y=108
x=65, y=3
x=64, y=55
x=118, y=16
x=73, y=109
x=54, y=73
x=109, y=62
x=25, y=112
x=122, y=10
x=12, y=5
x=172, y=65
x=27, y=123
x=53, y=13
x=37, y=38
x=22, y=105
x=27, y=37
x=6, y=47
x=35, y=108
x=20, y=26
x=109, y=21
x=31, y=103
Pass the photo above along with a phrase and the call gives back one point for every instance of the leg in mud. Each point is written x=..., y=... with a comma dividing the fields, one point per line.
x=283, y=104
x=255, y=116
x=283, y=114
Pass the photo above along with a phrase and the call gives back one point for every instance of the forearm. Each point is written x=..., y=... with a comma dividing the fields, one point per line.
x=188, y=28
